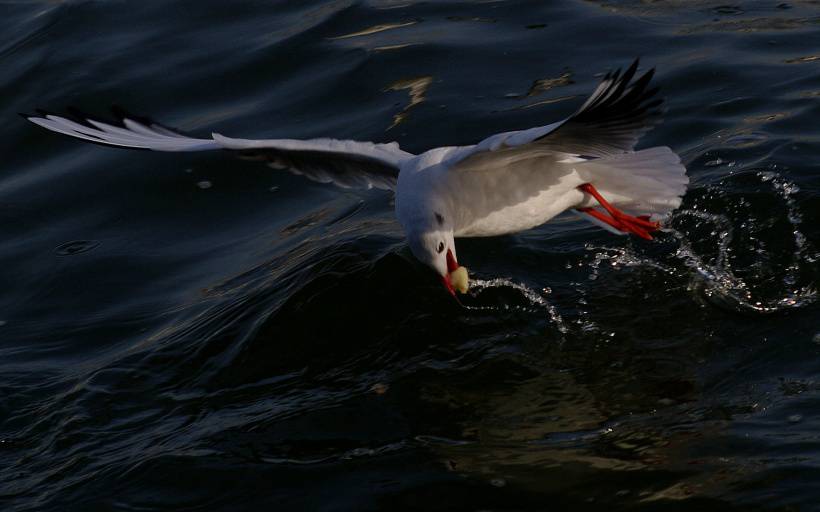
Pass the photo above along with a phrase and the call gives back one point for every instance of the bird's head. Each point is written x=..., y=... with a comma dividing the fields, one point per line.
x=431, y=241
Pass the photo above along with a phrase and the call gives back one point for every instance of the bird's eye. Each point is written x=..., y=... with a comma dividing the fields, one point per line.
x=440, y=247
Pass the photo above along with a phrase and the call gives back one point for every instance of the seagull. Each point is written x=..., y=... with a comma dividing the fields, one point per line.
x=509, y=182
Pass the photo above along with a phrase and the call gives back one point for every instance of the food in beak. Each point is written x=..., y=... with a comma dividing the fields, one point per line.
x=459, y=280
x=457, y=277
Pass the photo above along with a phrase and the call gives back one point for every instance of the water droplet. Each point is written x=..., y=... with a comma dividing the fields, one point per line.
x=498, y=482
x=76, y=247
x=2, y=323
x=795, y=418
x=273, y=189
x=816, y=338
x=204, y=184
x=531, y=295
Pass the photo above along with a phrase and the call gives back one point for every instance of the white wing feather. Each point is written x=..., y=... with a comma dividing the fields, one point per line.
x=343, y=162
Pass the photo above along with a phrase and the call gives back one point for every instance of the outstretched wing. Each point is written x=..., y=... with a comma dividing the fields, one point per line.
x=611, y=121
x=346, y=163
x=509, y=169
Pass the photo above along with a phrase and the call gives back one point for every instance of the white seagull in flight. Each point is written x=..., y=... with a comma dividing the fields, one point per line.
x=506, y=183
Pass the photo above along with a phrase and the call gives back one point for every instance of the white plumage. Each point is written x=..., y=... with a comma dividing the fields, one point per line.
x=506, y=183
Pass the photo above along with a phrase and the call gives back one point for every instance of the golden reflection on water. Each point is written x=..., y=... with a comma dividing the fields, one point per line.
x=544, y=102
x=552, y=424
x=752, y=25
x=800, y=60
x=390, y=47
x=766, y=118
x=545, y=84
x=416, y=87
x=375, y=29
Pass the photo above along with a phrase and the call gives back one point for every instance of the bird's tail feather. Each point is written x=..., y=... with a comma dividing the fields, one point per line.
x=649, y=181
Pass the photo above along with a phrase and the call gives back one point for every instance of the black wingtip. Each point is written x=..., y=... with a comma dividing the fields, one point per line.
x=630, y=71
x=624, y=99
x=647, y=77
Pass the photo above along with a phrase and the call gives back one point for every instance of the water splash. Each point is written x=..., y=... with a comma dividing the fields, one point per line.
x=716, y=279
x=786, y=190
x=714, y=276
x=536, y=299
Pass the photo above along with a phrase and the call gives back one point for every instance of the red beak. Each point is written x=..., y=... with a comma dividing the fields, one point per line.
x=452, y=265
x=448, y=285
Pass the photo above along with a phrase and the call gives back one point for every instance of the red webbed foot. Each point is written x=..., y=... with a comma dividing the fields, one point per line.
x=640, y=225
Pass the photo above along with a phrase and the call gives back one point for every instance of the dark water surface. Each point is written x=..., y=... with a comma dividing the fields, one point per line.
x=194, y=332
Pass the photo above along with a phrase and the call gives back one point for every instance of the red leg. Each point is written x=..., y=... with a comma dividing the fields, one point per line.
x=640, y=225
